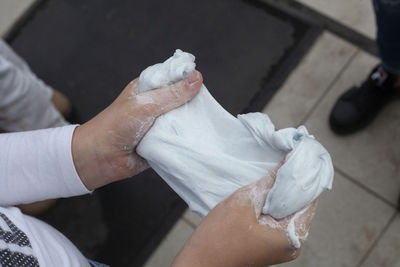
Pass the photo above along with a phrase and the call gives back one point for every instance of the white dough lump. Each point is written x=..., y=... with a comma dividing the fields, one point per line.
x=205, y=154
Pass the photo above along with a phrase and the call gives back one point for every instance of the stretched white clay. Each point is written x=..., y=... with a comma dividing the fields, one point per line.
x=205, y=154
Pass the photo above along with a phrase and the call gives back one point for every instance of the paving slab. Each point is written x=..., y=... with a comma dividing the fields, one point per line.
x=192, y=218
x=347, y=222
x=371, y=156
x=308, y=82
x=10, y=12
x=386, y=252
x=356, y=14
x=171, y=245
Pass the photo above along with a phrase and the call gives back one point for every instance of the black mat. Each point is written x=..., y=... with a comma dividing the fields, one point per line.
x=91, y=49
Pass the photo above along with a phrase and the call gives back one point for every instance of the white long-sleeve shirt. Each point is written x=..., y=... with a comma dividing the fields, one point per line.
x=34, y=166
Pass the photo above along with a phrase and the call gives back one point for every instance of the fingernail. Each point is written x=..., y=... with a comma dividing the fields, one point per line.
x=193, y=78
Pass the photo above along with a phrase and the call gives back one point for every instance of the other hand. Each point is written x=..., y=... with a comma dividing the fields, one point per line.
x=236, y=234
x=104, y=148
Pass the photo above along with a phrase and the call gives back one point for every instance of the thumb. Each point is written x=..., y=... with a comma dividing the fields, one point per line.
x=260, y=189
x=170, y=97
x=303, y=220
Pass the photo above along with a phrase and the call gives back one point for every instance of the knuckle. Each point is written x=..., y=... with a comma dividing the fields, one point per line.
x=176, y=91
x=295, y=254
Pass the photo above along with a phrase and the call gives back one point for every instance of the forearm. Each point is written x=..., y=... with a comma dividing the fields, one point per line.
x=38, y=165
x=185, y=258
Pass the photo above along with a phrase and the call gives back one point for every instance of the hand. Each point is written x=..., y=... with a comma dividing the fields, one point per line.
x=236, y=234
x=103, y=149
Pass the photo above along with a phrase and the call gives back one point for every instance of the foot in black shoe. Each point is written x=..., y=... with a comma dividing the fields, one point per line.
x=357, y=107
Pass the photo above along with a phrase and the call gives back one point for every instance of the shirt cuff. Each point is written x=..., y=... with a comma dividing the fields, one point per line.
x=72, y=182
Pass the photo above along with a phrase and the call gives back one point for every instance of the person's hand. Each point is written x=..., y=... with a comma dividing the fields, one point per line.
x=104, y=148
x=236, y=234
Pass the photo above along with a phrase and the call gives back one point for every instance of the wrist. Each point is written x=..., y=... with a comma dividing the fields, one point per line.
x=88, y=161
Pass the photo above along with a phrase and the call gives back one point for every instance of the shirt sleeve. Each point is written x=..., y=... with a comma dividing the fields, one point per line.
x=38, y=165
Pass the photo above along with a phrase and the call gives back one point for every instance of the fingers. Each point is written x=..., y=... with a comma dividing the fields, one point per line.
x=303, y=220
x=170, y=97
x=272, y=174
x=268, y=181
x=251, y=198
x=260, y=190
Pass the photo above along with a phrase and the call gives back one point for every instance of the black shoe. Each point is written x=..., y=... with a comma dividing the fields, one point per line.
x=357, y=107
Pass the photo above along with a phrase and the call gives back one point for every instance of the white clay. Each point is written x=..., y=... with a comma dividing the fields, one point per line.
x=172, y=70
x=205, y=154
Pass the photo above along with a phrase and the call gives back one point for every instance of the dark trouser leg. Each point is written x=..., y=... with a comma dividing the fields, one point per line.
x=388, y=35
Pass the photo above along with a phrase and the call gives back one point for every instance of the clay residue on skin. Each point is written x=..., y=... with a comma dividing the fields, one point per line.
x=292, y=230
x=294, y=225
x=133, y=163
x=143, y=128
x=143, y=99
x=257, y=196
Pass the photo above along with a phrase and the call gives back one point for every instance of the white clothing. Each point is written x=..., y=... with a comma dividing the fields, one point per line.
x=25, y=101
x=36, y=165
